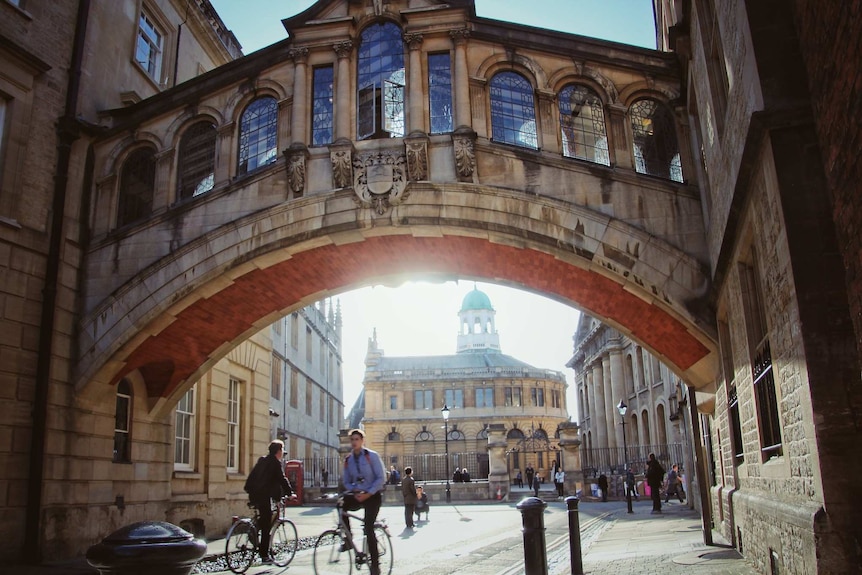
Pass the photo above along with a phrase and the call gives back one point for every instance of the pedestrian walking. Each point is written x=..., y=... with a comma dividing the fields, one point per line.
x=674, y=485
x=537, y=482
x=408, y=490
x=654, y=476
x=603, y=485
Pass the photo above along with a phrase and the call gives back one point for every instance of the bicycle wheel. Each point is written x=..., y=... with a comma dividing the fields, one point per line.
x=384, y=548
x=240, y=546
x=329, y=559
x=283, y=542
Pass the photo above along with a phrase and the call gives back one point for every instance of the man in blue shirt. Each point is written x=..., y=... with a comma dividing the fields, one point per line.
x=364, y=478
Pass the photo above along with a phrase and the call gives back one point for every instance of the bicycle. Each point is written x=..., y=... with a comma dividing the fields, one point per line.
x=242, y=540
x=336, y=551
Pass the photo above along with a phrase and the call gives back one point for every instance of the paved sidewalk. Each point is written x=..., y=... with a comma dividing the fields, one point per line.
x=646, y=544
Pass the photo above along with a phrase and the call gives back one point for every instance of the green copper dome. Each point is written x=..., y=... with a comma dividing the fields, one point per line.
x=476, y=300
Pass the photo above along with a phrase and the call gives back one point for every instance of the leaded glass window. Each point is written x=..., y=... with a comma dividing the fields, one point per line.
x=197, y=160
x=440, y=93
x=321, y=115
x=655, y=146
x=582, y=123
x=513, y=114
x=380, y=101
x=258, y=135
x=137, y=183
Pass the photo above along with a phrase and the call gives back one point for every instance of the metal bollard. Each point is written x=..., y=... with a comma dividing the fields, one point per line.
x=147, y=548
x=575, y=536
x=535, y=556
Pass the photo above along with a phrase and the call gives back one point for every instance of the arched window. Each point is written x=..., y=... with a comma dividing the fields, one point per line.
x=515, y=433
x=513, y=115
x=258, y=131
x=582, y=124
x=137, y=182
x=393, y=436
x=456, y=434
x=197, y=160
x=629, y=375
x=647, y=436
x=655, y=146
x=540, y=434
x=483, y=434
x=424, y=435
x=123, y=423
x=380, y=78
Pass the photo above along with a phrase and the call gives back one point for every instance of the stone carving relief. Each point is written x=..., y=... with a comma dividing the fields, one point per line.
x=417, y=158
x=463, y=142
x=380, y=179
x=295, y=158
x=342, y=168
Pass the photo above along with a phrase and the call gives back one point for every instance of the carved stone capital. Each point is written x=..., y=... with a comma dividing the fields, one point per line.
x=416, y=146
x=341, y=155
x=299, y=55
x=459, y=37
x=413, y=41
x=343, y=49
x=463, y=144
x=296, y=157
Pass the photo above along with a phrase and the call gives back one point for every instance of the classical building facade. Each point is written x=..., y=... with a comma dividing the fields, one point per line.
x=699, y=198
x=307, y=393
x=610, y=368
x=403, y=398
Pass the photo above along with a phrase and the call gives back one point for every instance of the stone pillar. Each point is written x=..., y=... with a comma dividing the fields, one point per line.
x=609, y=405
x=163, y=193
x=414, y=87
x=498, y=474
x=570, y=443
x=342, y=90
x=618, y=385
x=547, y=121
x=462, y=79
x=620, y=148
x=224, y=153
x=300, y=96
x=598, y=417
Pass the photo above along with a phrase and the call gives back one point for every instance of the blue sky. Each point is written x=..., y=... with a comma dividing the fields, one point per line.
x=421, y=318
x=257, y=23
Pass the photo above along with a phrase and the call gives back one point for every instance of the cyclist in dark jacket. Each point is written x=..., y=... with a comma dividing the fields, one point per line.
x=266, y=483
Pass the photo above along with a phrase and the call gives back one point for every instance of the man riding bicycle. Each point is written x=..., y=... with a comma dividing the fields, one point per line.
x=266, y=483
x=364, y=478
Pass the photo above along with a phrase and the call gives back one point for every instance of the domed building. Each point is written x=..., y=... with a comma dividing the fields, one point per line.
x=403, y=398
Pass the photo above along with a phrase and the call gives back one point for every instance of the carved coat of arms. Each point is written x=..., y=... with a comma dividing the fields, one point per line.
x=379, y=179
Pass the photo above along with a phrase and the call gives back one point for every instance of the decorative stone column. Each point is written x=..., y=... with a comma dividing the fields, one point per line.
x=163, y=193
x=609, y=405
x=462, y=78
x=224, y=152
x=300, y=99
x=498, y=475
x=414, y=44
x=570, y=443
x=597, y=415
x=342, y=93
x=618, y=385
x=620, y=148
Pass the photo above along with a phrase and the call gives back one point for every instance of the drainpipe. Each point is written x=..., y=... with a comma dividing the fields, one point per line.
x=67, y=133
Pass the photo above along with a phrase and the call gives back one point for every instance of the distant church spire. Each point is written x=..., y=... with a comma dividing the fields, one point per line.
x=477, y=332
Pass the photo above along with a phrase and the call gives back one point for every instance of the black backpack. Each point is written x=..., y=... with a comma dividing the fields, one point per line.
x=255, y=483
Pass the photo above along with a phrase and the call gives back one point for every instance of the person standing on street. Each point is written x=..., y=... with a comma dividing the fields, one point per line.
x=631, y=484
x=603, y=485
x=408, y=490
x=266, y=483
x=559, y=480
x=537, y=483
x=654, y=476
x=364, y=478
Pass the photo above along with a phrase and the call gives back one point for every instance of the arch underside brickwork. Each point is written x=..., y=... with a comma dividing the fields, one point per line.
x=176, y=318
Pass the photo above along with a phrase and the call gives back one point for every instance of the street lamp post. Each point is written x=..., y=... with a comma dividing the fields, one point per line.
x=622, y=408
x=445, y=412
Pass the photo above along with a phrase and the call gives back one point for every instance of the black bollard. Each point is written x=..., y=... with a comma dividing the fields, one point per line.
x=575, y=536
x=147, y=548
x=535, y=556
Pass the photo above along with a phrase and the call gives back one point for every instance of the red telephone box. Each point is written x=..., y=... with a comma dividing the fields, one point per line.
x=294, y=473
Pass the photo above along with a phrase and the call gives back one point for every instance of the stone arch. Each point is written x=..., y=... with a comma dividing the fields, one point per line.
x=262, y=252
x=637, y=90
x=121, y=150
x=588, y=76
x=516, y=63
x=245, y=93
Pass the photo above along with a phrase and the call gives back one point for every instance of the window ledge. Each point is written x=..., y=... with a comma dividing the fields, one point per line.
x=187, y=474
x=10, y=222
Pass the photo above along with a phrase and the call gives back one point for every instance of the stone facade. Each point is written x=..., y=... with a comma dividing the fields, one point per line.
x=742, y=277
x=784, y=259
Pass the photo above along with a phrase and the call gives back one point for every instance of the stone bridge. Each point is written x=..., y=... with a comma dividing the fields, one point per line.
x=387, y=141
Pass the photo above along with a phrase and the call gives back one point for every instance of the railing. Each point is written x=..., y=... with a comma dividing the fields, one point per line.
x=611, y=460
x=426, y=467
